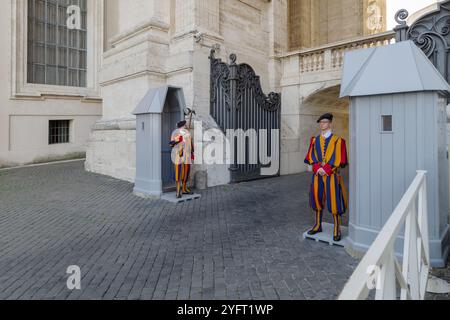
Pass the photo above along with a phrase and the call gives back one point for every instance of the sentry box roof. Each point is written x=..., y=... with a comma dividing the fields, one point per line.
x=155, y=99
x=396, y=68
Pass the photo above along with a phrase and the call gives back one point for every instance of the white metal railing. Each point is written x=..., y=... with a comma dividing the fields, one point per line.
x=380, y=270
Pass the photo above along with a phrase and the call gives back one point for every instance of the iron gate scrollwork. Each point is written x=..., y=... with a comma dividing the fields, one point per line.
x=238, y=102
x=431, y=33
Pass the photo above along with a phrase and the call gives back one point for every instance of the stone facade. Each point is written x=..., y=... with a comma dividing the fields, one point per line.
x=170, y=45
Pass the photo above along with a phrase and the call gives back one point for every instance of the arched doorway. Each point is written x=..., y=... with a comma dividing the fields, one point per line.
x=324, y=101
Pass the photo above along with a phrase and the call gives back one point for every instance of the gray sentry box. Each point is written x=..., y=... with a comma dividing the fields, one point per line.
x=397, y=126
x=157, y=116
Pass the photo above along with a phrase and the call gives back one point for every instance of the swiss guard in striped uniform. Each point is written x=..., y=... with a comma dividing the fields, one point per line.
x=182, y=157
x=327, y=154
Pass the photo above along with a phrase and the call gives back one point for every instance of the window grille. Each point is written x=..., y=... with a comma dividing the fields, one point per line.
x=56, y=54
x=59, y=131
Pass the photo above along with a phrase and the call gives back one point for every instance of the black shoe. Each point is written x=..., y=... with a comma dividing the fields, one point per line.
x=313, y=232
x=189, y=192
x=337, y=238
x=179, y=196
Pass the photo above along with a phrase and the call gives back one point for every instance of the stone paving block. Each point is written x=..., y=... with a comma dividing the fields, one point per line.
x=236, y=242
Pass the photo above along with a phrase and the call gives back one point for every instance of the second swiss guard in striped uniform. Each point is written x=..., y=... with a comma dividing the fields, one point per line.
x=182, y=157
x=327, y=154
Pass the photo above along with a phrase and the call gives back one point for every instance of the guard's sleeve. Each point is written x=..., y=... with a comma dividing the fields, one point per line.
x=175, y=139
x=309, y=156
x=340, y=159
x=344, y=158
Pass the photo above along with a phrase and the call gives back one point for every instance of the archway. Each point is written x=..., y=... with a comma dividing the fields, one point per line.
x=324, y=101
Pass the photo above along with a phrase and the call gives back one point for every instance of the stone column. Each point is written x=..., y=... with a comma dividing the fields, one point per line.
x=290, y=117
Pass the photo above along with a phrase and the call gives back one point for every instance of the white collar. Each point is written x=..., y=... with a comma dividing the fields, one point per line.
x=327, y=134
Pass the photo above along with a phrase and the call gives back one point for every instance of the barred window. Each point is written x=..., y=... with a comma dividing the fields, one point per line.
x=56, y=54
x=58, y=131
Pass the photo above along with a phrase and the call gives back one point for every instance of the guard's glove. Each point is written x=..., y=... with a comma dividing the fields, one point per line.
x=316, y=168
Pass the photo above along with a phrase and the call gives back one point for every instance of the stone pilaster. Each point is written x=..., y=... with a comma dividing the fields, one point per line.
x=278, y=37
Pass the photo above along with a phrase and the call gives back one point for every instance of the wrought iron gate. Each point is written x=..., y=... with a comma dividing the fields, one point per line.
x=238, y=102
x=431, y=33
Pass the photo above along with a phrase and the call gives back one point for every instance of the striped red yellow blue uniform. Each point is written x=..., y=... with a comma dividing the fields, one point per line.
x=182, y=172
x=182, y=157
x=331, y=155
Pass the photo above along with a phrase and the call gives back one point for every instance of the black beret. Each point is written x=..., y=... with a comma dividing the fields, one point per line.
x=181, y=124
x=326, y=116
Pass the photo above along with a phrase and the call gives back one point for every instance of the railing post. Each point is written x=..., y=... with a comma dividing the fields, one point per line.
x=423, y=216
x=413, y=263
x=387, y=286
x=405, y=292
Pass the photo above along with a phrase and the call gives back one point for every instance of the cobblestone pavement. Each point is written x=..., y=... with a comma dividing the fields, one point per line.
x=443, y=274
x=238, y=242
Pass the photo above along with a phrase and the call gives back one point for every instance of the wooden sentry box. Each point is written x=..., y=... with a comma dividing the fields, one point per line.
x=397, y=126
x=157, y=116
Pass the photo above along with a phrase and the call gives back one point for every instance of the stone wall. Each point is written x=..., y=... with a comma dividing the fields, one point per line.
x=25, y=110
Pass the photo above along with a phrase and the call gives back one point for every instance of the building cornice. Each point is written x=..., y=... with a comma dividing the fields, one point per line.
x=151, y=24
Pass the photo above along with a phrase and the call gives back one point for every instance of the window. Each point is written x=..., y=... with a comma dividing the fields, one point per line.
x=57, y=55
x=59, y=131
x=386, y=122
